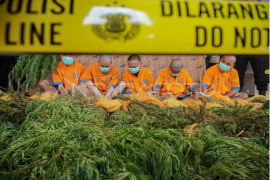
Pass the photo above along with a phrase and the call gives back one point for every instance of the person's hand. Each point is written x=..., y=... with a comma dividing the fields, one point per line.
x=196, y=96
x=107, y=96
x=157, y=95
x=125, y=95
x=83, y=88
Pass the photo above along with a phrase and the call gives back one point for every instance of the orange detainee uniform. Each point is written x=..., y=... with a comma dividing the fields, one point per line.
x=174, y=85
x=139, y=84
x=66, y=75
x=101, y=80
x=221, y=81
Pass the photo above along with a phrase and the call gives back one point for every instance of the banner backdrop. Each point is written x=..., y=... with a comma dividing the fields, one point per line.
x=134, y=26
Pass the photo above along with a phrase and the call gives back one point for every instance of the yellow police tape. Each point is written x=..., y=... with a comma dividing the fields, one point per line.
x=128, y=26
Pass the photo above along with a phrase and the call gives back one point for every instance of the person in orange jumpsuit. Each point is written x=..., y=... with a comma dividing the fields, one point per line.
x=138, y=79
x=175, y=80
x=101, y=78
x=223, y=78
x=68, y=73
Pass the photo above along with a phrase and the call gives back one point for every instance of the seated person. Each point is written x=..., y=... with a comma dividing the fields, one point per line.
x=174, y=80
x=68, y=72
x=101, y=78
x=137, y=78
x=223, y=78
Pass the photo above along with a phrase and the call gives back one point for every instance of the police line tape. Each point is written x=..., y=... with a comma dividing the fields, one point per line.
x=127, y=26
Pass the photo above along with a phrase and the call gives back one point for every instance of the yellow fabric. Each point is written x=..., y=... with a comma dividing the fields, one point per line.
x=241, y=102
x=218, y=96
x=109, y=105
x=47, y=96
x=212, y=105
x=125, y=105
x=192, y=103
x=4, y=96
x=257, y=106
x=172, y=102
x=146, y=98
x=190, y=127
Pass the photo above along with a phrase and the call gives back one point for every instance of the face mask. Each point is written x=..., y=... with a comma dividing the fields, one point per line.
x=134, y=70
x=67, y=60
x=104, y=70
x=223, y=67
x=175, y=75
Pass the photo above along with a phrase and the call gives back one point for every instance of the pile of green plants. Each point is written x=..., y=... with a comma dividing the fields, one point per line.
x=67, y=139
x=14, y=109
x=31, y=69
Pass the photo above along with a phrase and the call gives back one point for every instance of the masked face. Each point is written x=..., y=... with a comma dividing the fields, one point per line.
x=223, y=67
x=67, y=60
x=134, y=70
x=175, y=75
x=175, y=71
x=104, y=66
x=104, y=70
x=226, y=63
x=134, y=66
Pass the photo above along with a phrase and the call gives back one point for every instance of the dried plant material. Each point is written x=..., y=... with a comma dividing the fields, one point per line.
x=258, y=99
x=67, y=139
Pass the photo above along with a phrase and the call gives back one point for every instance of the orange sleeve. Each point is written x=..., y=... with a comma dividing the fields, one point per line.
x=208, y=78
x=160, y=79
x=87, y=75
x=125, y=78
x=150, y=80
x=235, y=81
x=114, y=78
x=189, y=82
x=81, y=72
x=57, y=77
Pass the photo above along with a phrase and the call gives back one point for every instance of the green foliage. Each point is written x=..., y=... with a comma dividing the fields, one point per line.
x=120, y=119
x=154, y=116
x=266, y=105
x=232, y=121
x=232, y=158
x=13, y=110
x=67, y=139
x=29, y=67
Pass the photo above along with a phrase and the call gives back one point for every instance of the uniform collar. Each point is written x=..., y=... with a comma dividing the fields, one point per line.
x=140, y=71
x=101, y=71
x=71, y=66
x=224, y=73
x=174, y=76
